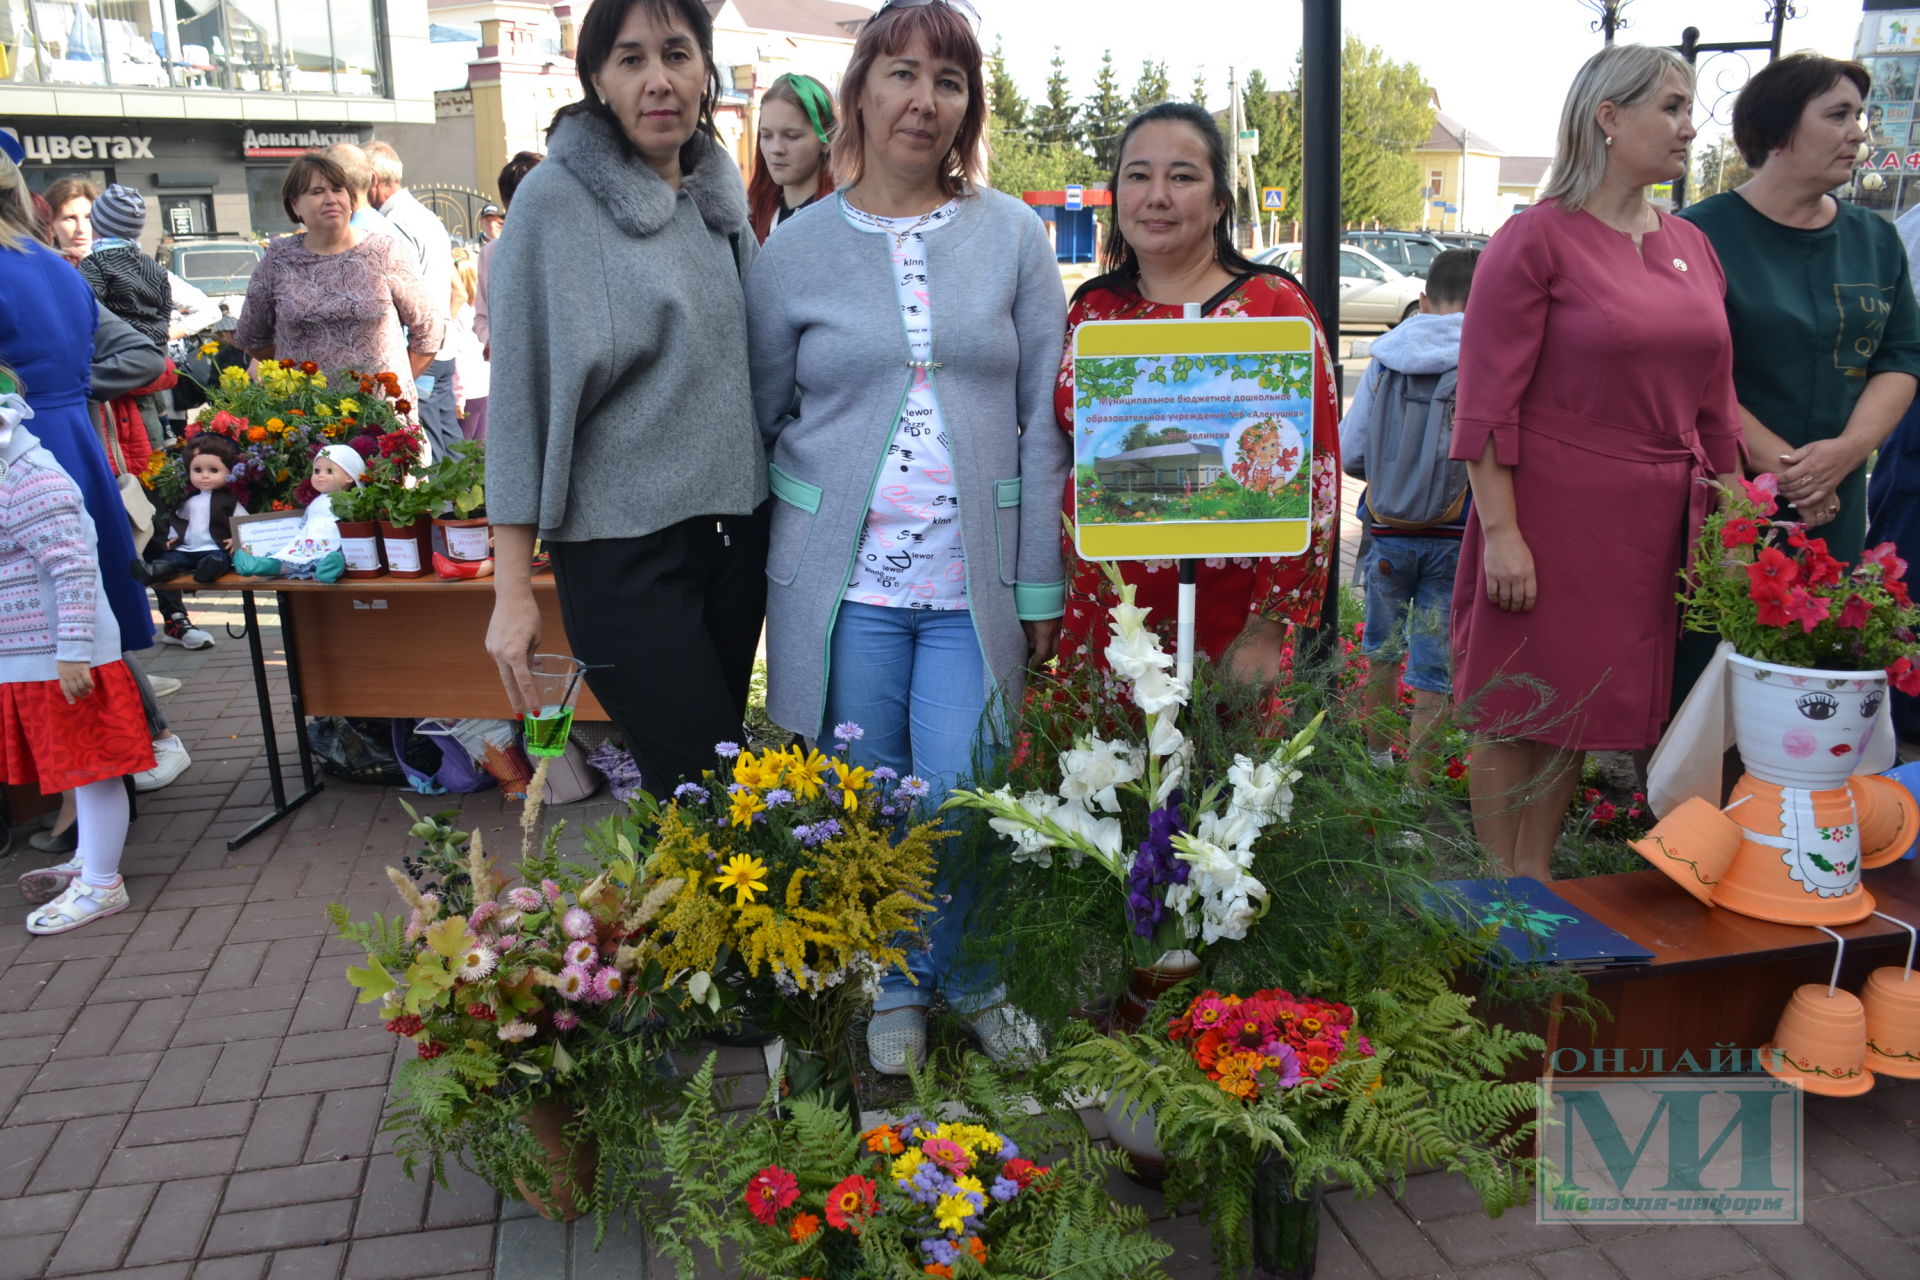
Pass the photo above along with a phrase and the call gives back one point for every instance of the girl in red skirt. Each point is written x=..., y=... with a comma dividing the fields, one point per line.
x=70, y=716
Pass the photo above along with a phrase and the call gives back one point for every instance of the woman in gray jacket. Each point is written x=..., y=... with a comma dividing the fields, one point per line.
x=621, y=427
x=905, y=333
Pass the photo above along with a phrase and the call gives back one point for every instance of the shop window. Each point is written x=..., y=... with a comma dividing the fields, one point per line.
x=71, y=48
x=356, y=48
x=263, y=199
x=256, y=48
x=39, y=179
x=184, y=214
x=135, y=36
x=309, y=48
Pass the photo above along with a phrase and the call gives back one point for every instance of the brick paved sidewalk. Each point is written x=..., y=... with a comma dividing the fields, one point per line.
x=187, y=1089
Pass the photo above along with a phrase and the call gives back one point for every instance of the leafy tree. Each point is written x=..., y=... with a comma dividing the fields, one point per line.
x=1056, y=120
x=1151, y=88
x=1199, y=90
x=1717, y=167
x=1018, y=163
x=1278, y=160
x=1009, y=108
x=1105, y=114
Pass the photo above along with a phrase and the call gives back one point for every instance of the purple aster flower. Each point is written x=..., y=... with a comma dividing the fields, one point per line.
x=914, y=788
x=779, y=798
x=883, y=774
x=1004, y=1189
x=726, y=750
x=819, y=833
x=847, y=732
x=691, y=791
x=1008, y=1150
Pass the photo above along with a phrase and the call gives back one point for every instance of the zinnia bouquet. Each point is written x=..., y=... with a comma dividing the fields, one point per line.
x=796, y=876
x=1187, y=875
x=1780, y=597
x=805, y=1196
x=1276, y=1086
x=280, y=420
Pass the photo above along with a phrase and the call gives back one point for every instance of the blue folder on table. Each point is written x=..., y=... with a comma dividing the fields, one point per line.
x=1537, y=925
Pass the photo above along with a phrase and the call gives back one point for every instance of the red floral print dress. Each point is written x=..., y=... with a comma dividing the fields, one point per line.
x=1231, y=590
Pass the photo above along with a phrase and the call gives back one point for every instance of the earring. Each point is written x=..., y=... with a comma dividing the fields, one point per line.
x=1609, y=139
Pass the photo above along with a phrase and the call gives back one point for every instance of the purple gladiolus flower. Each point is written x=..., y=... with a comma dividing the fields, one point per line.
x=1155, y=866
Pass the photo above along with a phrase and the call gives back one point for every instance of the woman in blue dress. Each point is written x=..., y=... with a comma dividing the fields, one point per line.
x=47, y=322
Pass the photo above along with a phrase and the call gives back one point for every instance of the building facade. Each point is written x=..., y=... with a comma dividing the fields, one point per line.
x=1460, y=179
x=200, y=103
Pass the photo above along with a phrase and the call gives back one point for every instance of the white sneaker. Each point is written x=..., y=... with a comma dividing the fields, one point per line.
x=163, y=686
x=1006, y=1033
x=897, y=1037
x=38, y=886
x=170, y=760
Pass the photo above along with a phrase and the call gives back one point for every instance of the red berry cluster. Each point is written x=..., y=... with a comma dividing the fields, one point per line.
x=484, y=1012
x=406, y=1024
x=430, y=1049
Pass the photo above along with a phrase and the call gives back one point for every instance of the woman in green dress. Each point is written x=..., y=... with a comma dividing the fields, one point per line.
x=1826, y=332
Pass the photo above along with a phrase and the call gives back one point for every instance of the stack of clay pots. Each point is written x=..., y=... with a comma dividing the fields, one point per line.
x=1832, y=1042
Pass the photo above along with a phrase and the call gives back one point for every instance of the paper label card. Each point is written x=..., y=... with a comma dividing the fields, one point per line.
x=1193, y=438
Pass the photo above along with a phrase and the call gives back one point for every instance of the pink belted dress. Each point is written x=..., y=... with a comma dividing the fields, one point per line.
x=1604, y=377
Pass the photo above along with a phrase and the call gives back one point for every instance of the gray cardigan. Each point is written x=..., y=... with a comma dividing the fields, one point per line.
x=825, y=324
x=620, y=395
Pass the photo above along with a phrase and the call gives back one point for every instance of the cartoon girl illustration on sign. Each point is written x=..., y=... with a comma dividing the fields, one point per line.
x=1269, y=455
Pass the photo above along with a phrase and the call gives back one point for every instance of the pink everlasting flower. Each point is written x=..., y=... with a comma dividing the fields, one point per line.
x=521, y=898
x=482, y=913
x=582, y=954
x=575, y=983
x=577, y=923
x=552, y=891
x=515, y=1030
x=607, y=983
x=565, y=1020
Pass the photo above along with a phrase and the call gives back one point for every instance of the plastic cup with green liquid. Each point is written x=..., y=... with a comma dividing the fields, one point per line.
x=556, y=685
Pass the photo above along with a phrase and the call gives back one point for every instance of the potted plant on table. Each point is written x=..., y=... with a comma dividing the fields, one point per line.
x=462, y=541
x=357, y=508
x=1262, y=1100
x=405, y=502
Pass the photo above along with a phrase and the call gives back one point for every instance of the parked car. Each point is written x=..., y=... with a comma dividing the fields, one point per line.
x=1371, y=292
x=1461, y=239
x=1408, y=252
x=218, y=267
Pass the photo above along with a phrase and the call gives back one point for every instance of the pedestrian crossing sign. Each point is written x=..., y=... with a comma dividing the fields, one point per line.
x=1273, y=199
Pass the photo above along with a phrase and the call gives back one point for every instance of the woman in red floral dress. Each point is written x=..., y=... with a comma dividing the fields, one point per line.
x=1170, y=245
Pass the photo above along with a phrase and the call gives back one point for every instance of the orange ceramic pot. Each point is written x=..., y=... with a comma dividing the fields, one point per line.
x=1803, y=851
x=1694, y=845
x=1820, y=1043
x=1892, y=1001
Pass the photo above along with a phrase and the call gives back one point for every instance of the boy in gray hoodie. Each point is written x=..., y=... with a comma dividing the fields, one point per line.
x=1396, y=437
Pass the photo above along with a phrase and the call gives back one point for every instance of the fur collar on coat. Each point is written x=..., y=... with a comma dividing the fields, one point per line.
x=639, y=200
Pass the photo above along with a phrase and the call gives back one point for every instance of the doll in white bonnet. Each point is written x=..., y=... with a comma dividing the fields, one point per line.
x=315, y=551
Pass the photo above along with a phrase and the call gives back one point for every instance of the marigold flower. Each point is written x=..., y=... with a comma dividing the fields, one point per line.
x=883, y=1140
x=256, y=434
x=803, y=1227
x=210, y=348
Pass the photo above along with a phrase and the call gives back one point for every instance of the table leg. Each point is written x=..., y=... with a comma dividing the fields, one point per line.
x=269, y=740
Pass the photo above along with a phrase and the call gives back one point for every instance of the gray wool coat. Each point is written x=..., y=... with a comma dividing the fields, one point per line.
x=620, y=401
x=830, y=372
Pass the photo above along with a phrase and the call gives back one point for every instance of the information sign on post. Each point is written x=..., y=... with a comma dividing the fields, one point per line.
x=1249, y=142
x=1075, y=196
x=1193, y=438
x=1273, y=199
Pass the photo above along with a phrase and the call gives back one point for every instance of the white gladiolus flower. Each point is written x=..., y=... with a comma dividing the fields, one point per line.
x=1134, y=656
x=1029, y=844
x=1234, y=832
x=1164, y=736
x=1091, y=771
x=1230, y=915
x=1155, y=691
x=1103, y=834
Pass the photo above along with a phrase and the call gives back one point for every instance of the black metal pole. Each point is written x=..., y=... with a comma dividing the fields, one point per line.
x=1320, y=175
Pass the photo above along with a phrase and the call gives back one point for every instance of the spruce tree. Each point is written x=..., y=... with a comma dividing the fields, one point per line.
x=1055, y=122
x=1199, y=90
x=1009, y=108
x=1105, y=115
x=1152, y=88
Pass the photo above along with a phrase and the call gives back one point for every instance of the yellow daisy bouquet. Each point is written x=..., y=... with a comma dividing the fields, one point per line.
x=803, y=877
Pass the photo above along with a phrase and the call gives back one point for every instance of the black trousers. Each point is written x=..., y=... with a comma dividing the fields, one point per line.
x=670, y=623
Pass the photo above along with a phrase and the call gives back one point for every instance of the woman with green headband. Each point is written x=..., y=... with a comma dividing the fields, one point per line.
x=796, y=124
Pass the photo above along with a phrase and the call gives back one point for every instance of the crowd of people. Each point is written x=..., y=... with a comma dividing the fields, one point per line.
x=837, y=402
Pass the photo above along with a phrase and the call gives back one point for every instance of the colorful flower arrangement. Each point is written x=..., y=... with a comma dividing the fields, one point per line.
x=800, y=1193
x=1780, y=596
x=797, y=877
x=944, y=1184
x=280, y=420
x=1270, y=1040
x=1190, y=878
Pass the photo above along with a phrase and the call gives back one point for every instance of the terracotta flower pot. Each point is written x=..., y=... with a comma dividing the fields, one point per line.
x=571, y=1167
x=1889, y=818
x=408, y=548
x=463, y=539
x=1892, y=1001
x=360, y=544
x=1146, y=984
x=1802, y=856
x=1694, y=845
x=1820, y=1044
x=1798, y=727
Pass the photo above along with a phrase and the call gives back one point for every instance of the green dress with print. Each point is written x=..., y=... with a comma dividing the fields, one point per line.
x=1814, y=314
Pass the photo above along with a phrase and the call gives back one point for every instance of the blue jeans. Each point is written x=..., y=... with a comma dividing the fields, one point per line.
x=188, y=561
x=915, y=681
x=1410, y=588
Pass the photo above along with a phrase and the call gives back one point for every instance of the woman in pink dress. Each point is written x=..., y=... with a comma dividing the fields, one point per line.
x=333, y=294
x=1596, y=402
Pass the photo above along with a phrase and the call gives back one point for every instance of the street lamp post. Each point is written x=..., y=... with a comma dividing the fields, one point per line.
x=1320, y=175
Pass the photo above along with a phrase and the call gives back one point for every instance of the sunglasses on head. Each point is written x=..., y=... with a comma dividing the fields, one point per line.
x=960, y=7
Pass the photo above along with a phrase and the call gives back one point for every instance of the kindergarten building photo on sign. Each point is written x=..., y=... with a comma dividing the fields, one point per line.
x=1193, y=438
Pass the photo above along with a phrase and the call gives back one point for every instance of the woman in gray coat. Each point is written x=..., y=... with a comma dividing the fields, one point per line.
x=905, y=333
x=621, y=428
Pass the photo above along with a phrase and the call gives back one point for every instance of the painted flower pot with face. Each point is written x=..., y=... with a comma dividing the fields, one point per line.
x=1797, y=727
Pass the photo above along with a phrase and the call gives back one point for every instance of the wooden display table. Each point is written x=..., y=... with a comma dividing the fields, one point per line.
x=1717, y=978
x=382, y=647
